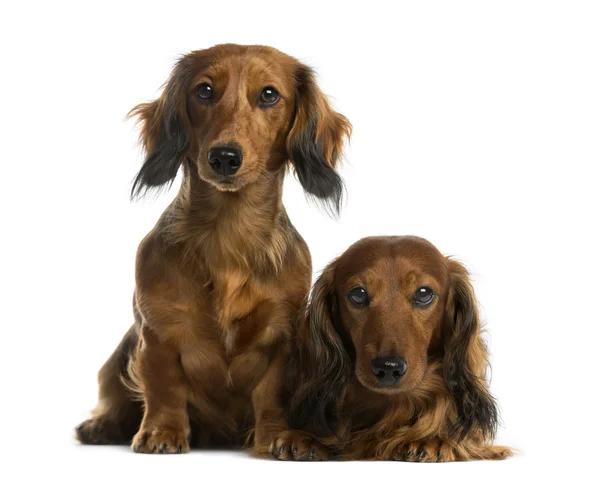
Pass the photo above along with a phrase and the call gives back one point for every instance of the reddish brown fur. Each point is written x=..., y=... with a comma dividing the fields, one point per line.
x=223, y=273
x=440, y=410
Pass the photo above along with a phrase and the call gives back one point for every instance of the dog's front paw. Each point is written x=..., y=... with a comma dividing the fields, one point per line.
x=297, y=446
x=430, y=450
x=161, y=440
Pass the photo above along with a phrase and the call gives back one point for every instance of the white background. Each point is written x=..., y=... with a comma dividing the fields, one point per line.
x=476, y=125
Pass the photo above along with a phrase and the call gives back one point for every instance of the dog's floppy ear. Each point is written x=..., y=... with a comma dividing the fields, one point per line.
x=465, y=358
x=315, y=141
x=164, y=134
x=321, y=364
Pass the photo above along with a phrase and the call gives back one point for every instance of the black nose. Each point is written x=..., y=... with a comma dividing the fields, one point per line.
x=389, y=369
x=225, y=160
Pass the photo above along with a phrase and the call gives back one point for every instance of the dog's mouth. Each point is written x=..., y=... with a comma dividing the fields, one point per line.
x=370, y=382
x=227, y=185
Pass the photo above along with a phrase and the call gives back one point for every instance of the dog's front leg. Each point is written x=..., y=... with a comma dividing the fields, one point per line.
x=165, y=427
x=269, y=415
x=271, y=432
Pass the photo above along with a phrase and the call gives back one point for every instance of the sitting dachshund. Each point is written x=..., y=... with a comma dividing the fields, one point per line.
x=223, y=273
x=390, y=363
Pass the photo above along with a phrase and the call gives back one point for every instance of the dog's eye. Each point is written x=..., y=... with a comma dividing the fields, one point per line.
x=269, y=95
x=423, y=296
x=204, y=91
x=359, y=297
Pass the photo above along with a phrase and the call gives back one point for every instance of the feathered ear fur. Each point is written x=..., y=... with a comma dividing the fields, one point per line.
x=321, y=364
x=164, y=134
x=465, y=359
x=315, y=141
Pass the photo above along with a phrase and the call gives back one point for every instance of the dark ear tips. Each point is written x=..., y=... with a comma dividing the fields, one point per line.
x=161, y=165
x=318, y=179
x=315, y=142
x=163, y=135
x=465, y=360
x=153, y=175
x=320, y=364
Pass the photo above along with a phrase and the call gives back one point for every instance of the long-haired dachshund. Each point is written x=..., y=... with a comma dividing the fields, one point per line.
x=390, y=363
x=223, y=273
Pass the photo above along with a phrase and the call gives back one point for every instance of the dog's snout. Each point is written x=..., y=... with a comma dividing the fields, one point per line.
x=225, y=160
x=389, y=369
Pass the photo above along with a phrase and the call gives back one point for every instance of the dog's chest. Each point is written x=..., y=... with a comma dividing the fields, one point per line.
x=214, y=372
x=235, y=296
x=222, y=354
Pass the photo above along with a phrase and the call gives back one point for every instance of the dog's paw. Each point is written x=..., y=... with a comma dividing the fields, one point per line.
x=297, y=446
x=431, y=450
x=100, y=430
x=161, y=440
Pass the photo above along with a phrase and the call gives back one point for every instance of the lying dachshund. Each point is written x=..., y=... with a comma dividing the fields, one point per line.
x=390, y=361
x=223, y=273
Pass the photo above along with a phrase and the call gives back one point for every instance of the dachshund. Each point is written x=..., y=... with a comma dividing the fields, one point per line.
x=223, y=273
x=390, y=363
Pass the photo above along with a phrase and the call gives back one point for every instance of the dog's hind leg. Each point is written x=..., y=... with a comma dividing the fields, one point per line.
x=118, y=415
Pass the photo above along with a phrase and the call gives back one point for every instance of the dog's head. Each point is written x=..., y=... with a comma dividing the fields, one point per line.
x=237, y=113
x=384, y=311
